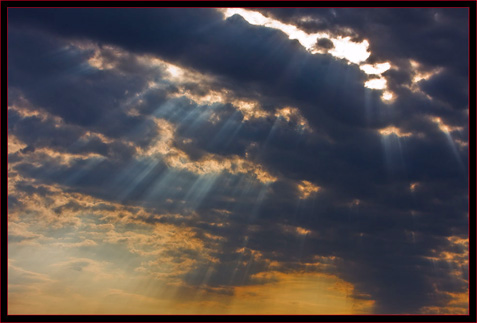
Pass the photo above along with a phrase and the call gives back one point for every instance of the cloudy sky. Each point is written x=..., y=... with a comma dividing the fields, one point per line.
x=238, y=161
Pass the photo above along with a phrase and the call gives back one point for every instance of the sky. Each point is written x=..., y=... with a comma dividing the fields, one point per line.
x=238, y=161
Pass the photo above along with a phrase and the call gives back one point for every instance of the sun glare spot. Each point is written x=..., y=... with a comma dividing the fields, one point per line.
x=353, y=52
x=174, y=71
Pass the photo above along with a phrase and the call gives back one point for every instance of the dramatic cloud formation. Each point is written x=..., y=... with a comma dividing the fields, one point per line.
x=192, y=161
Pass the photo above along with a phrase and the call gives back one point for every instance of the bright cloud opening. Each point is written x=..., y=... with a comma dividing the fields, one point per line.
x=343, y=46
x=376, y=68
x=376, y=84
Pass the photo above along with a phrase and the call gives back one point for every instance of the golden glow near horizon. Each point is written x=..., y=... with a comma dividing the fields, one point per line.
x=300, y=293
x=458, y=304
x=293, y=293
x=65, y=282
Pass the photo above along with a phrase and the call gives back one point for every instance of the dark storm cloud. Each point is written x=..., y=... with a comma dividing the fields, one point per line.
x=64, y=138
x=255, y=58
x=432, y=36
x=380, y=242
x=448, y=87
x=436, y=37
x=59, y=79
